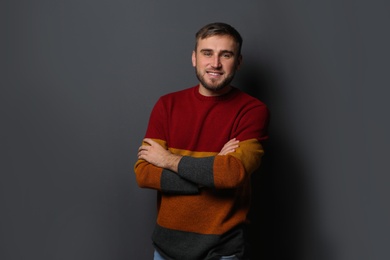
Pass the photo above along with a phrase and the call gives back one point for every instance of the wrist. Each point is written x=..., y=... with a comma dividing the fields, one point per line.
x=173, y=162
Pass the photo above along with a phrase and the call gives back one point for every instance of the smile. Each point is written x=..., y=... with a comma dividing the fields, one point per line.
x=213, y=73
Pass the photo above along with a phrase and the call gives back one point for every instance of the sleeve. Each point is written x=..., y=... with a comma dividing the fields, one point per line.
x=153, y=177
x=231, y=170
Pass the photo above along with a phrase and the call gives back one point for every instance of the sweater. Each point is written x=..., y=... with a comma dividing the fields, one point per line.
x=202, y=209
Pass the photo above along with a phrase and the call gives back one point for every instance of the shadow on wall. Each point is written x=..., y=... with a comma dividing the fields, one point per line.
x=282, y=221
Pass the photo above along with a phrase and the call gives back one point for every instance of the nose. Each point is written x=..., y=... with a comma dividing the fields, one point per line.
x=216, y=62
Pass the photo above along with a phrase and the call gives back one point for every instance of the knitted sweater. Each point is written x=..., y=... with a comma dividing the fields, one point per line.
x=202, y=208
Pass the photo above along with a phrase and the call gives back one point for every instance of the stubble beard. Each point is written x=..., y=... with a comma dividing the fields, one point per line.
x=214, y=87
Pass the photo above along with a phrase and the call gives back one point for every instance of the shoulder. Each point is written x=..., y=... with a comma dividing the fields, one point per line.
x=174, y=99
x=249, y=100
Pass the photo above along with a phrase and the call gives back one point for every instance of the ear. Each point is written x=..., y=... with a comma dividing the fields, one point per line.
x=239, y=61
x=193, y=58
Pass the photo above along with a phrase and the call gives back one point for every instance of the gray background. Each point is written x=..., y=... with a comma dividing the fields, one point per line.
x=79, y=79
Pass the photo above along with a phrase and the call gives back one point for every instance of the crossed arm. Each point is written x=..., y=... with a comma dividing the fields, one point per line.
x=157, y=155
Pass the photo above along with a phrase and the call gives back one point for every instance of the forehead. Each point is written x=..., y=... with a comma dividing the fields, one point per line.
x=217, y=43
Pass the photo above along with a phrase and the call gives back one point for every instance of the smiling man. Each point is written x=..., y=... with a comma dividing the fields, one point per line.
x=201, y=146
x=216, y=59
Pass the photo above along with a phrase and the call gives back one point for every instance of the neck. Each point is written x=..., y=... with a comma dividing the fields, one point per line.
x=213, y=93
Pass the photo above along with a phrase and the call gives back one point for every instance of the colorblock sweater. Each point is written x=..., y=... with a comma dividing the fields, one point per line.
x=202, y=209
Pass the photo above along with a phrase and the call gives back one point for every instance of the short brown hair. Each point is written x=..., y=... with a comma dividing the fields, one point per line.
x=218, y=29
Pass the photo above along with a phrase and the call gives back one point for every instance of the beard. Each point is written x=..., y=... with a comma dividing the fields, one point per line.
x=214, y=86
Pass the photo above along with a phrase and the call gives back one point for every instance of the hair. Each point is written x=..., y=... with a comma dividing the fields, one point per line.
x=213, y=29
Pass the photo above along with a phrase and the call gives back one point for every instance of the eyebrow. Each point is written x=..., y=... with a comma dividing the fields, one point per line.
x=221, y=52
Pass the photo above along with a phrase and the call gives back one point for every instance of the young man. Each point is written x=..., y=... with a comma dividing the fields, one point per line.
x=201, y=146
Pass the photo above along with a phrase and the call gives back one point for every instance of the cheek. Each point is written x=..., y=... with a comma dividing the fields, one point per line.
x=199, y=63
x=229, y=67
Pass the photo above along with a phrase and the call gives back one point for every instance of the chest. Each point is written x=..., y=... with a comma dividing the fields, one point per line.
x=204, y=128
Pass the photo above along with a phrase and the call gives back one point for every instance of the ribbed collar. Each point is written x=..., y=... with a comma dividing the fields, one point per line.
x=223, y=97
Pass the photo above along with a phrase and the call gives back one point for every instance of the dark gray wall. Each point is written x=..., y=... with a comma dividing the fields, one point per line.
x=79, y=79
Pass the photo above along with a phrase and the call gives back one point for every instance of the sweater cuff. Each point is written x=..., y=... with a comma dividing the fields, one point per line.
x=197, y=170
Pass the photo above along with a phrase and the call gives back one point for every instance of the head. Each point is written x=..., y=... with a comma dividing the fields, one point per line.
x=220, y=29
x=216, y=58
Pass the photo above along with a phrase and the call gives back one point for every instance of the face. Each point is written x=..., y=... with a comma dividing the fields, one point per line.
x=216, y=60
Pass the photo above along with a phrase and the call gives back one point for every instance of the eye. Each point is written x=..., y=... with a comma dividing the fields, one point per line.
x=207, y=53
x=227, y=55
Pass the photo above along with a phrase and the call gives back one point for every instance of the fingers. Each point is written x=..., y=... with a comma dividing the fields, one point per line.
x=144, y=148
x=141, y=151
x=150, y=149
x=230, y=146
x=232, y=141
x=149, y=141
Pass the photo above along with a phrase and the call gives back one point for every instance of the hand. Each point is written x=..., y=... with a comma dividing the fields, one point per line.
x=229, y=147
x=157, y=155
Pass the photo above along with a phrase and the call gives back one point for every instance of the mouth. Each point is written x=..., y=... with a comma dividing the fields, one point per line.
x=214, y=73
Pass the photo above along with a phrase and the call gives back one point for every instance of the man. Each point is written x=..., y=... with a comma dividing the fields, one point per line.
x=200, y=148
